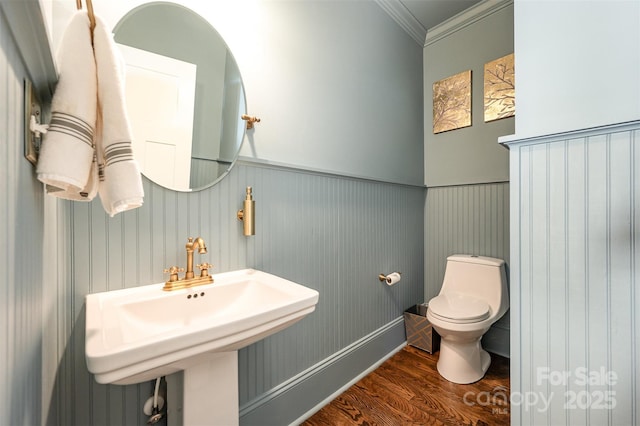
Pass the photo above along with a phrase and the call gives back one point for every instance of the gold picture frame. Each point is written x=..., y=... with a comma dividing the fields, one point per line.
x=499, y=89
x=452, y=102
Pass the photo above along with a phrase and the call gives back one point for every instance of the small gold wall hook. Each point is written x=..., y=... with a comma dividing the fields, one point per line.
x=250, y=120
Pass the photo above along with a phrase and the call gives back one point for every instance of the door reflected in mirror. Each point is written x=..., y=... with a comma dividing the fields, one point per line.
x=184, y=96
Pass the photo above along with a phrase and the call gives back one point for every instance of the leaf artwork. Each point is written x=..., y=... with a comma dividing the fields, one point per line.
x=452, y=102
x=499, y=89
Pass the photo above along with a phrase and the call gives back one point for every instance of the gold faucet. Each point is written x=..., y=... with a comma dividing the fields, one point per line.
x=189, y=280
x=191, y=246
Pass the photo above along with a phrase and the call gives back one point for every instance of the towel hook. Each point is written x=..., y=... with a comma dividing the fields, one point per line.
x=250, y=120
x=92, y=17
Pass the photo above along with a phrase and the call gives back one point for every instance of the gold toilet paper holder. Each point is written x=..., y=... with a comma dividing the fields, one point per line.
x=383, y=277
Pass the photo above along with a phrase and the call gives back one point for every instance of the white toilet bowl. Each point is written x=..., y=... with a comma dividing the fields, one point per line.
x=474, y=295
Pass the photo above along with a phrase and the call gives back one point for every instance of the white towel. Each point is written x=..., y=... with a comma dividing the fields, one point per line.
x=67, y=162
x=120, y=186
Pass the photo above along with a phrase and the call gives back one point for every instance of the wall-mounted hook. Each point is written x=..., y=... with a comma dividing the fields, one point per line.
x=33, y=128
x=250, y=120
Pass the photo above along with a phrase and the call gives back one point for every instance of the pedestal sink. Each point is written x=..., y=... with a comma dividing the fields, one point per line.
x=137, y=334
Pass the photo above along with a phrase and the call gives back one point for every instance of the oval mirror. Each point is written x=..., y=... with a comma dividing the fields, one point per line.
x=184, y=96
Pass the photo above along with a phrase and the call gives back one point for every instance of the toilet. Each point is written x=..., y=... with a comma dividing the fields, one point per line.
x=474, y=295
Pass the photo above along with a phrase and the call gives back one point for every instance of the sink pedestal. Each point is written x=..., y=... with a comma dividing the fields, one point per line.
x=206, y=393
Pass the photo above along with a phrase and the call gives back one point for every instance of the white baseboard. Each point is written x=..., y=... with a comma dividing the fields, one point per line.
x=303, y=395
x=347, y=385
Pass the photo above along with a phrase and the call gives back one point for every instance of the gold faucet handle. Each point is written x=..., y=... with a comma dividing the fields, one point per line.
x=173, y=271
x=204, y=269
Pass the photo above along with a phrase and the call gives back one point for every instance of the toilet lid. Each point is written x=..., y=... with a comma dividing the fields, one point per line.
x=456, y=307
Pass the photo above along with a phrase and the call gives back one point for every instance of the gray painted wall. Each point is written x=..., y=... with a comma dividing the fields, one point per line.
x=464, y=213
x=340, y=232
x=21, y=252
x=472, y=154
x=471, y=219
x=344, y=91
x=337, y=84
x=327, y=231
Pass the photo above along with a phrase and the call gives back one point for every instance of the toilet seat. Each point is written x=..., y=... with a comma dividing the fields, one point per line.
x=458, y=308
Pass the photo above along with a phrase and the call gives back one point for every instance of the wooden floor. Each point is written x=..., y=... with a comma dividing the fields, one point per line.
x=407, y=390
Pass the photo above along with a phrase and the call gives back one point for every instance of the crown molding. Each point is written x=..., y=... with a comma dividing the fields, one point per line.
x=404, y=18
x=464, y=19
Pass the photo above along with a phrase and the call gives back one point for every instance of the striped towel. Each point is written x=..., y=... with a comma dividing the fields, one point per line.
x=120, y=186
x=67, y=157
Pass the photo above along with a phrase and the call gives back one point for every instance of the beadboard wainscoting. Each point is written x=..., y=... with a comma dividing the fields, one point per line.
x=21, y=251
x=468, y=219
x=330, y=233
x=575, y=332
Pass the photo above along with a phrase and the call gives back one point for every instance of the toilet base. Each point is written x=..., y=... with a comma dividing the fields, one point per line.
x=462, y=362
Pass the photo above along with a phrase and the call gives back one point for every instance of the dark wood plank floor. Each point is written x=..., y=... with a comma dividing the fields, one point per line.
x=407, y=390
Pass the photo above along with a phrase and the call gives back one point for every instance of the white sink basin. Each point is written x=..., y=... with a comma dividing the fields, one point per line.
x=137, y=334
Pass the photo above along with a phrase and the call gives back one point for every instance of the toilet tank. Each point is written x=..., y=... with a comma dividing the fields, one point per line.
x=482, y=277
